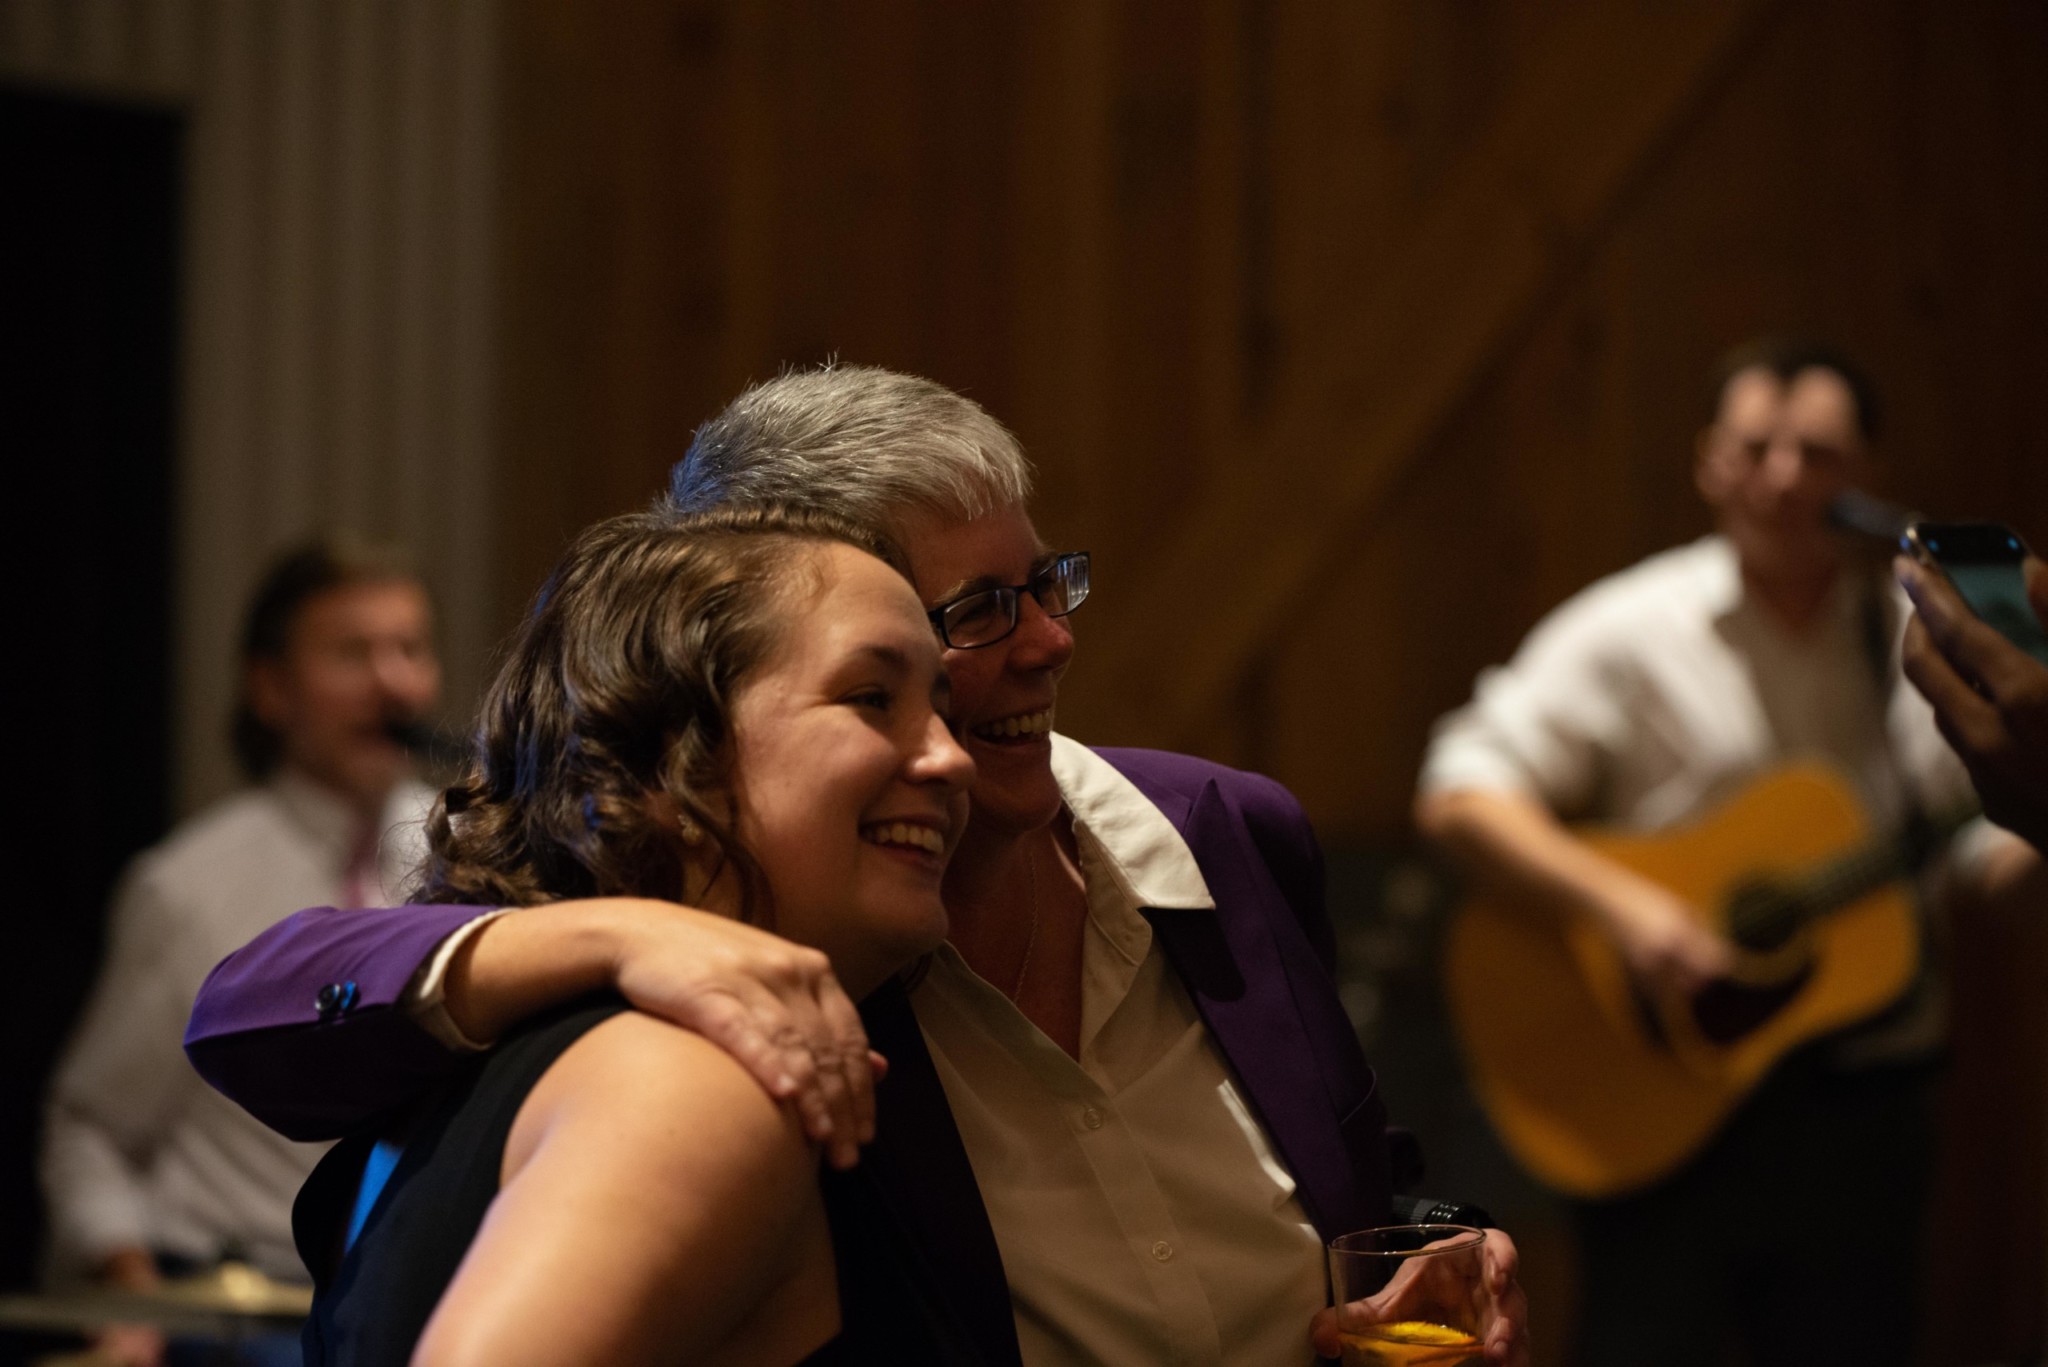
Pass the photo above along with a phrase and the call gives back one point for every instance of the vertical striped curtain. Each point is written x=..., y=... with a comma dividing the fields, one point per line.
x=336, y=300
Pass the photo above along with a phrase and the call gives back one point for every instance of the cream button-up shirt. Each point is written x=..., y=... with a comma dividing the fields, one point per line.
x=1142, y=1213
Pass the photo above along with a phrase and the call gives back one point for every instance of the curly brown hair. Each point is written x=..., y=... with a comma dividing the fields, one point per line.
x=606, y=727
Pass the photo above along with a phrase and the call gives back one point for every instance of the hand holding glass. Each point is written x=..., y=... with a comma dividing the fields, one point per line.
x=1411, y=1295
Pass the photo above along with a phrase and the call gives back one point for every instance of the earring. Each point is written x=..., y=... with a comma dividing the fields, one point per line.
x=693, y=834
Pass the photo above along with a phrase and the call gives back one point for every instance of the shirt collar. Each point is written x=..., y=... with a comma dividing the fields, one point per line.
x=332, y=822
x=1140, y=847
x=1726, y=594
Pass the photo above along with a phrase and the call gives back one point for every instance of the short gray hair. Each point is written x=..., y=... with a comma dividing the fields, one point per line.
x=866, y=443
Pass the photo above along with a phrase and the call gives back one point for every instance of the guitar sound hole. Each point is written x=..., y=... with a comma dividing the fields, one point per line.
x=1726, y=1011
x=1763, y=917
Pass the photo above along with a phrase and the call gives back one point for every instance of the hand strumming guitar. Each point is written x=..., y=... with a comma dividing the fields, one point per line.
x=1665, y=946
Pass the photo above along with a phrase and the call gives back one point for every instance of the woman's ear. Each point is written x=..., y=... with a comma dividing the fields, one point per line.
x=699, y=854
x=670, y=816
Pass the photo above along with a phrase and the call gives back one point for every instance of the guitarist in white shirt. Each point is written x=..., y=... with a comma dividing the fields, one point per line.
x=1639, y=704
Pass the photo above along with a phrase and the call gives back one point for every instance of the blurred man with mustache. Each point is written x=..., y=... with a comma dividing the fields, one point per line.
x=148, y=1171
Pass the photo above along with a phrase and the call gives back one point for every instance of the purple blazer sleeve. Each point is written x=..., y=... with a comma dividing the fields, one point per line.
x=301, y=1026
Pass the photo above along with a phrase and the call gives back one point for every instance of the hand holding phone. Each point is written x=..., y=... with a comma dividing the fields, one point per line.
x=1985, y=562
x=1989, y=688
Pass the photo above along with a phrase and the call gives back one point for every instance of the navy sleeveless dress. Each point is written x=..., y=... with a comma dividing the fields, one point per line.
x=374, y=1300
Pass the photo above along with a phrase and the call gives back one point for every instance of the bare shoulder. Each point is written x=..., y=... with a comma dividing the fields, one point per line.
x=666, y=1102
x=653, y=1201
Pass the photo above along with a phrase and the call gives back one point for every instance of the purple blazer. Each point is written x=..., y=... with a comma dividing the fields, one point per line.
x=299, y=1027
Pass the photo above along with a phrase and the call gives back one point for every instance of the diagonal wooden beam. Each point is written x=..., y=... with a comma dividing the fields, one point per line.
x=1592, y=113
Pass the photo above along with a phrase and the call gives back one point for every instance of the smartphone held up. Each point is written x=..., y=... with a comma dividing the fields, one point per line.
x=1984, y=562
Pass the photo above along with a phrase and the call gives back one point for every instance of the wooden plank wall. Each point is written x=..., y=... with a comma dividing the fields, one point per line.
x=1350, y=337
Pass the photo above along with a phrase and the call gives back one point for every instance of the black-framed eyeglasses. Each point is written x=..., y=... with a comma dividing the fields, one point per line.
x=982, y=618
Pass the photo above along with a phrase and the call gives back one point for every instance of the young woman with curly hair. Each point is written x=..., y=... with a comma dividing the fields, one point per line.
x=744, y=710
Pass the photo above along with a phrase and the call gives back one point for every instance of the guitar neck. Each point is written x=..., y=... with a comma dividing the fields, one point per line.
x=1849, y=877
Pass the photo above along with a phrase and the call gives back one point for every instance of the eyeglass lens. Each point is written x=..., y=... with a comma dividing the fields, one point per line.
x=985, y=618
x=1060, y=586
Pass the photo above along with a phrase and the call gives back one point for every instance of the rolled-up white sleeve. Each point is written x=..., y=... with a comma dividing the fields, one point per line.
x=426, y=997
x=1543, y=724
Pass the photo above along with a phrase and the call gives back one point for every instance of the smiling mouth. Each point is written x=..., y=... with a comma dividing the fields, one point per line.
x=1026, y=726
x=905, y=835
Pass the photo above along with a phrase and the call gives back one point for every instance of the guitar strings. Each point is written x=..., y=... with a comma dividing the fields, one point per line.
x=1840, y=882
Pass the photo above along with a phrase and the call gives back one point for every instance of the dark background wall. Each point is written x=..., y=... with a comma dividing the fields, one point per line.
x=1349, y=338
x=92, y=205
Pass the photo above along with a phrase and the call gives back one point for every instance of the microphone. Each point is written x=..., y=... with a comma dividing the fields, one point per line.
x=1427, y=1210
x=1864, y=515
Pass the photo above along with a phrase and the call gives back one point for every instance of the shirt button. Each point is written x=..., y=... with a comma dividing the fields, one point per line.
x=1092, y=1118
x=1162, y=1250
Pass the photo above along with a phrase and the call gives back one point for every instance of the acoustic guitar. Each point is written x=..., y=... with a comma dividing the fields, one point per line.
x=1598, y=1087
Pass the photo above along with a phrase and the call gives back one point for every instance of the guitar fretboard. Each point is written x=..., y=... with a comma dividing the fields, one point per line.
x=1770, y=911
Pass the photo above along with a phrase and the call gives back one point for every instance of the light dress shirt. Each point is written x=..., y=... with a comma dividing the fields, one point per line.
x=1141, y=1211
x=1659, y=691
x=137, y=1150
x=425, y=998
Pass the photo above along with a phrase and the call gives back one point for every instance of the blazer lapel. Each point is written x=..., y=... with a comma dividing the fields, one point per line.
x=921, y=1168
x=1241, y=963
